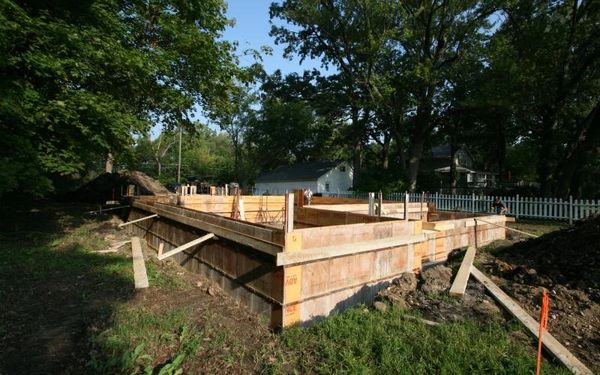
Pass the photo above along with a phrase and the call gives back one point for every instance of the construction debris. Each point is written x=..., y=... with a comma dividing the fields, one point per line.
x=549, y=342
x=111, y=186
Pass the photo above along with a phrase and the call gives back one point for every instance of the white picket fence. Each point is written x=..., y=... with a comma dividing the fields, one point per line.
x=526, y=207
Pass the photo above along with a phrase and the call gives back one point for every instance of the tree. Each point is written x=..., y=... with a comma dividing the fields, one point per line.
x=559, y=59
x=393, y=57
x=78, y=79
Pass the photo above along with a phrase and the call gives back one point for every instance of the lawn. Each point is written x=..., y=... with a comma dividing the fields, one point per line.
x=67, y=309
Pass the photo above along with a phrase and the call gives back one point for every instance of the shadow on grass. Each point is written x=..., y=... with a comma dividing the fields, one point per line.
x=54, y=293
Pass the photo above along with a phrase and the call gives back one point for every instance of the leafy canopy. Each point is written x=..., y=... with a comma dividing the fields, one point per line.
x=78, y=79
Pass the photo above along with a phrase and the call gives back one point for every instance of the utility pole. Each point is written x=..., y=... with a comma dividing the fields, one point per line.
x=179, y=162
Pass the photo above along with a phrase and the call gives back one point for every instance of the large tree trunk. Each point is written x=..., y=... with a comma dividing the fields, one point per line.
x=547, y=152
x=356, y=163
x=385, y=151
x=109, y=163
x=453, y=174
x=357, y=148
x=582, y=149
x=416, y=151
x=422, y=126
x=501, y=150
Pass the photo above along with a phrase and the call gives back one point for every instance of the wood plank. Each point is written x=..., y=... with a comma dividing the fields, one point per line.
x=220, y=231
x=185, y=246
x=314, y=254
x=549, y=342
x=138, y=220
x=139, y=267
x=505, y=227
x=459, y=286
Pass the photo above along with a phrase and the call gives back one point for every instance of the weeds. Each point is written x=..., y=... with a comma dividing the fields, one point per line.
x=369, y=342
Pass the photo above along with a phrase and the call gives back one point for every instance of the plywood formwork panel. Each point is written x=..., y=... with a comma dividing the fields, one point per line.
x=243, y=265
x=352, y=233
x=350, y=262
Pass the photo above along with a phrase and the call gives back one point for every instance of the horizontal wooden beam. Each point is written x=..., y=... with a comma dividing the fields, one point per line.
x=140, y=276
x=505, y=227
x=260, y=244
x=311, y=255
x=186, y=246
x=551, y=344
x=101, y=210
x=138, y=220
x=459, y=286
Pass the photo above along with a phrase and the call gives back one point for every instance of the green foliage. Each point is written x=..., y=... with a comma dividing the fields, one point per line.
x=79, y=78
x=206, y=154
x=499, y=76
x=124, y=347
x=290, y=131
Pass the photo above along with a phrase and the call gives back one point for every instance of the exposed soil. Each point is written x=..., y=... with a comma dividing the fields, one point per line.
x=212, y=308
x=107, y=186
x=565, y=262
x=49, y=314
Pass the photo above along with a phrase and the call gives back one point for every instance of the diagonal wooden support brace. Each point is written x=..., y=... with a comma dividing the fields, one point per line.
x=459, y=286
x=185, y=246
x=137, y=220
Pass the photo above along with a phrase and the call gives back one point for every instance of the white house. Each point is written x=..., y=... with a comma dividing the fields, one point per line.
x=320, y=176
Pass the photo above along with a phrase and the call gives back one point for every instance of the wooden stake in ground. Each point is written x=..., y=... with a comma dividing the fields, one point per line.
x=139, y=267
x=459, y=286
x=551, y=344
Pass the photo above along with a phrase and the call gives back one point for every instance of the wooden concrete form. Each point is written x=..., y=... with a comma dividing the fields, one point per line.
x=246, y=273
x=317, y=217
x=390, y=210
x=297, y=277
x=268, y=240
x=257, y=209
x=460, y=233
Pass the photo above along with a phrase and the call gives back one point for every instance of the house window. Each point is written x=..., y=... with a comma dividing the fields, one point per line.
x=342, y=168
x=327, y=186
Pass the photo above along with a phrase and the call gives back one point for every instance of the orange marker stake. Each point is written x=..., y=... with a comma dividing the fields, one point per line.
x=543, y=327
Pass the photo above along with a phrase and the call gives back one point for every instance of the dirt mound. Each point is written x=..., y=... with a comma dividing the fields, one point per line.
x=147, y=184
x=569, y=257
x=436, y=279
x=108, y=186
x=427, y=295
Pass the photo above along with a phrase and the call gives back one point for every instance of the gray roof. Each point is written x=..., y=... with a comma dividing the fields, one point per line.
x=308, y=171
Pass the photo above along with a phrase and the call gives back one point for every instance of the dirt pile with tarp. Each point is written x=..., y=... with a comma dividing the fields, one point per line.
x=109, y=186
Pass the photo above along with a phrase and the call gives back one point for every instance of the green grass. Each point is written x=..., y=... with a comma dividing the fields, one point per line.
x=158, y=279
x=538, y=227
x=359, y=341
x=42, y=253
x=145, y=341
x=136, y=332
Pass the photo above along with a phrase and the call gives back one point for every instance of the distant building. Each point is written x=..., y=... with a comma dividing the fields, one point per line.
x=322, y=176
x=438, y=162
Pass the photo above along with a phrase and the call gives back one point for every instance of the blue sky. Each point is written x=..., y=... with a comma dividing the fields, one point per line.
x=251, y=30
